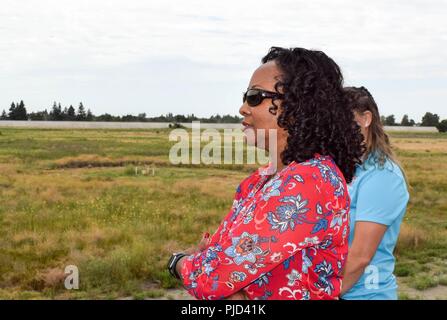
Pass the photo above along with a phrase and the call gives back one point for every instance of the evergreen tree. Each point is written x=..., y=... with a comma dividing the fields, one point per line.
x=61, y=112
x=12, y=111
x=81, y=116
x=40, y=115
x=89, y=116
x=4, y=116
x=65, y=114
x=71, y=114
x=405, y=122
x=56, y=112
x=20, y=112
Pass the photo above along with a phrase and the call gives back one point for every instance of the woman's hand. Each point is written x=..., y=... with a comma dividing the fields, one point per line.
x=193, y=250
x=178, y=267
x=204, y=242
x=237, y=296
x=367, y=237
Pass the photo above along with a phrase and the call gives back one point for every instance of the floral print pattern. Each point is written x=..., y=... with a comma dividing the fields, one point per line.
x=284, y=237
x=244, y=248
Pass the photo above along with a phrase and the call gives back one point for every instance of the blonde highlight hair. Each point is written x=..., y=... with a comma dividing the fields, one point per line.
x=378, y=142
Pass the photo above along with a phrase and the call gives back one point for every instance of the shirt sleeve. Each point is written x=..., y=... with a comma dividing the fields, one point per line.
x=280, y=225
x=382, y=198
x=240, y=190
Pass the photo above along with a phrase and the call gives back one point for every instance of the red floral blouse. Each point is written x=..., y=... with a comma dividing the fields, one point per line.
x=284, y=238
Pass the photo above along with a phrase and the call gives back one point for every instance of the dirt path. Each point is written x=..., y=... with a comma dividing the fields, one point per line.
x=437, y=293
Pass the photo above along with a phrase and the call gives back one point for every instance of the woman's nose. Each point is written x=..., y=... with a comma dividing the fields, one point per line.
x=244, y=110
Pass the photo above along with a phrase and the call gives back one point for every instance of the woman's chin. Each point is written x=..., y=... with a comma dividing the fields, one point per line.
x=256, y=138
x=250, y=136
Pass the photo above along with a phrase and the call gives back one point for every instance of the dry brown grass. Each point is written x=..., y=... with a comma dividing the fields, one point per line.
x=69, y=207
x=53, y=278
x=411, y=237
x=221, y=187
x=93, y=161
x=421, y=145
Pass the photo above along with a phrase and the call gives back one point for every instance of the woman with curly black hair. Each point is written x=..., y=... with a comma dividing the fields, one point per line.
x=285, y=236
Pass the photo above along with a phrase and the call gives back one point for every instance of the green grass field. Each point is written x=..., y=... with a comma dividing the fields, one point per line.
x=110, y=202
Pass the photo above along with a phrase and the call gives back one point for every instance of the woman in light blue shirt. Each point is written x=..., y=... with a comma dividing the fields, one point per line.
x=379, y=198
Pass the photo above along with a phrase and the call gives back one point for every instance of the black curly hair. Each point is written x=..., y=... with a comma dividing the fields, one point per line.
x=314, y=111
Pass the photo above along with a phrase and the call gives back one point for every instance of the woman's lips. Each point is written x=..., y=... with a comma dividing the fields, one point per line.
x=249, y=133
x=246, y=126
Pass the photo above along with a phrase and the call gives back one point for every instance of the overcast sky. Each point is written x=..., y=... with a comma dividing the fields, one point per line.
x=194, y=56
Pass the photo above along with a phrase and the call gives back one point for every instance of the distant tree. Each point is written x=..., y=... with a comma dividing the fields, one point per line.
x=129, y=118
x=71, y=114
x=21, y=113
x=383, y=120
x=179, y=118
x=405, y=122
x=442, y=126
x=56, y=112
x=40, y=115
x=81, y=115
x=191, y=117
x=430, y=120
x=142, y=117
x=161, y=118
x=4, y=116
x=12, y=111
x=17, y=111
x=390, y=120
x=106, y=117
x=231, y=119
x=65, y=114
x=89, y=116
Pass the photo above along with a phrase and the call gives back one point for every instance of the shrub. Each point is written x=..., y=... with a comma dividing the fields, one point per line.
x=442, y=126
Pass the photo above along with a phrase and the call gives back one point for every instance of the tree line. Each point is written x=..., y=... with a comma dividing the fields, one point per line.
x=17, y=111
x=428, y=120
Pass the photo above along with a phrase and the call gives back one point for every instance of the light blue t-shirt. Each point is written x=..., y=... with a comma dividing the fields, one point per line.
x=378, y=195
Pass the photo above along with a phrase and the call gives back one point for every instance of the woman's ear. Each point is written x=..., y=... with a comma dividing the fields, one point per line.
x=273, y=110
x=367, y=115
x=363, y=119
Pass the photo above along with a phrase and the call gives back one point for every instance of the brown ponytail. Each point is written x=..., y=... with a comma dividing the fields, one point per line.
x=377, y=142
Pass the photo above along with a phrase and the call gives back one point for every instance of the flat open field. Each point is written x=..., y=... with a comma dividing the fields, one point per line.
x=110, y=202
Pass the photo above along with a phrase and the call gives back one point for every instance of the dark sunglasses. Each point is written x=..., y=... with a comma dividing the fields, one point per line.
x=255, y=97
